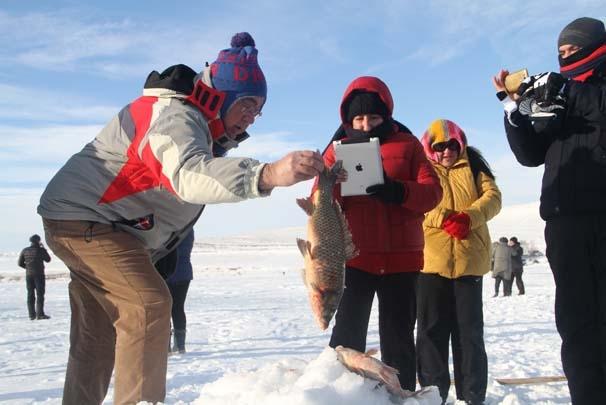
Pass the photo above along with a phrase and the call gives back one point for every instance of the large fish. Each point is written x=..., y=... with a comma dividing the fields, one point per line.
x=367, y=366
x=327, y=248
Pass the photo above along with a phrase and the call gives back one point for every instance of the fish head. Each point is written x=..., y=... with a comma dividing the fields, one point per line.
x=324, y=304
x=350, y=358
x=343, y=354
x=340, y=354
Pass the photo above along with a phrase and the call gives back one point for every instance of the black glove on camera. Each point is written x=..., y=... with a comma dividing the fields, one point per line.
x=545, y=87
x=542, y=96
x=390, y=192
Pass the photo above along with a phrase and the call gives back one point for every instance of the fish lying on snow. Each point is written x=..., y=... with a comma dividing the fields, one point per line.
x=327, y=248
x=369, y=367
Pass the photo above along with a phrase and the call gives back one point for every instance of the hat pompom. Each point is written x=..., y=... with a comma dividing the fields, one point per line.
x=242, y=39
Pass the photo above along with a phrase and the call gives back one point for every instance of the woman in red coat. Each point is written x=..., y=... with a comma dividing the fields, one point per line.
x=386, y=226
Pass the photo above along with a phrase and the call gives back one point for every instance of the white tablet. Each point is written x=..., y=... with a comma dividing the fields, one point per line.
x=362, y=160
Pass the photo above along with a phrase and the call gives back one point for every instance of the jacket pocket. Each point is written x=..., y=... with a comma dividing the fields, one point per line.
x=362, y=217
x=405, y=230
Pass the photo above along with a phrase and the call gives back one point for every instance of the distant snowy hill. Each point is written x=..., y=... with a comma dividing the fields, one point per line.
x=283, y=237
x=522, y=221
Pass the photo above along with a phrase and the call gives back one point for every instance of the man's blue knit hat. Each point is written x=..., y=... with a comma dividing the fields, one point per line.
x=237, y=73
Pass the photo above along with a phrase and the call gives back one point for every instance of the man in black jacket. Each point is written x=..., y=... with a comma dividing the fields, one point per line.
x=560, y=121
x=517, y=264
x=32, y=259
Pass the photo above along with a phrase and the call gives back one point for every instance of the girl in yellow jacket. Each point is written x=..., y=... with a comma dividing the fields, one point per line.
x=457, y=255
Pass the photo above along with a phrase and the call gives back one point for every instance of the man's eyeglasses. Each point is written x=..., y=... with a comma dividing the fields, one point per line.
x=251, y=111
x=442, y=146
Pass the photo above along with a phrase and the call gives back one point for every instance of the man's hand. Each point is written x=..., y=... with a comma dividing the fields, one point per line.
x=342, y=176
x=498, y=81
x=291, y=169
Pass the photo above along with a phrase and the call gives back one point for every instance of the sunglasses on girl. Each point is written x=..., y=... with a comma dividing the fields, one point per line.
x=442, y=146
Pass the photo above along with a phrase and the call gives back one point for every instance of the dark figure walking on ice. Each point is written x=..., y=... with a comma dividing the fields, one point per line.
x=517, y=264
x=32, y=259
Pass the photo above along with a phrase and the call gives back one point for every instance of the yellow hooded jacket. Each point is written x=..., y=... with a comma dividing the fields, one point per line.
x=480, y=199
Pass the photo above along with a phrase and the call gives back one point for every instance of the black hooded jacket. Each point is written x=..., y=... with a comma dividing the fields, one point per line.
x=32, y=259
x=572, y=148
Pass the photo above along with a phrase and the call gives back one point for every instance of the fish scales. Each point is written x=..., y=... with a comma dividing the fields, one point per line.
x=327, y=249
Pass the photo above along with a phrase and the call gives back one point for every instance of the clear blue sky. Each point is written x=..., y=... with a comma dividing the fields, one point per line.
x=67, y=67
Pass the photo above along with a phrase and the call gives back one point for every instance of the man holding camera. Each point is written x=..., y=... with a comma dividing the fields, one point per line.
x=559, y=120
x=32, y=259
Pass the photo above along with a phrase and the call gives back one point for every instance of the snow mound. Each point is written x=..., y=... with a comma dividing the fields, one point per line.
x=323, y=381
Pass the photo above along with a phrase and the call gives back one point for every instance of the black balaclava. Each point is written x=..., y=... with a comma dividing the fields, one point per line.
x=364, y=102
x=589, y=35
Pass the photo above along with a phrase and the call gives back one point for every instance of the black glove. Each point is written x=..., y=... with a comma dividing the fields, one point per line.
x=391, y=192
x=542, y=96
x=545, y=87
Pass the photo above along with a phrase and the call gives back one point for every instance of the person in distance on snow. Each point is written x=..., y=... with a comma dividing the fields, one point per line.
x=457, y=255
x=559, y=120
x=32, y=259
x=386, y=227
x=501, y=266
x=132, y=194
x=517, y=264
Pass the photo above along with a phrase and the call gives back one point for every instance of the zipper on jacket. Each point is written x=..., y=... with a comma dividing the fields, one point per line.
x=452, y=240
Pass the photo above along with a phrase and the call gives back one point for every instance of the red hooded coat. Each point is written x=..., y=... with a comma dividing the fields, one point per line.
x=389, y=237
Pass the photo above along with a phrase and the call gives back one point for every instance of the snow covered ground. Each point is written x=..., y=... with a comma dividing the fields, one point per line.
x=252, y=340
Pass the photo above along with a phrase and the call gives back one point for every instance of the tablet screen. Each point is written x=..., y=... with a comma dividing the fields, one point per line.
x=362, y=160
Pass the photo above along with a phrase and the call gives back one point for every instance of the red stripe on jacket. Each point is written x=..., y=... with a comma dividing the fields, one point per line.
x=138, y=173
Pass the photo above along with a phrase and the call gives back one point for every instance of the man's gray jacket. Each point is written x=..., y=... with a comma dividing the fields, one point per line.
x=150, y=172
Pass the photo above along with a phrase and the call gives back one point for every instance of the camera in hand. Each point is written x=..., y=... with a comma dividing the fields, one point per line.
x=513, y=80
x=542, y=96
